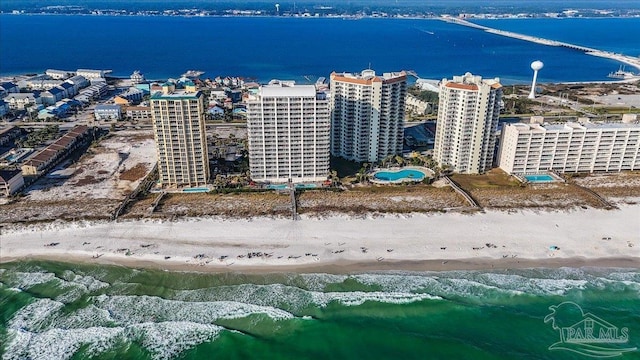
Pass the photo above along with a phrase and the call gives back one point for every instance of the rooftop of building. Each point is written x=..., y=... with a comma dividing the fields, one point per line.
x=175, y=95
x=107, y=107
x=7, y=85
x=54, y=90
x=90, y=71
x=6, y=175
x=469, y=81
x=138, y=108
x=368, y=76
x=59, y=145
x=21, y=96
x=131, y=91
x=287, y=91
x=575, y=126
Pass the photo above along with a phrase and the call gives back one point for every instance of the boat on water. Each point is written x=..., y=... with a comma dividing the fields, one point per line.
x=622, y=74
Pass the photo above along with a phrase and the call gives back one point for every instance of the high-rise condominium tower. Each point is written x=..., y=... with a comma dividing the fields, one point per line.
x=288, y=128
x=367, y=115
x=181, y=142
x=467, y=121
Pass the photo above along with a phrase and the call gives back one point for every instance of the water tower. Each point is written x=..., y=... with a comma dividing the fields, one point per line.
x=535, y=66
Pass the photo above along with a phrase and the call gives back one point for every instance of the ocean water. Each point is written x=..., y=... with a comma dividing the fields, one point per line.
x=304, y=49
x=54, y=310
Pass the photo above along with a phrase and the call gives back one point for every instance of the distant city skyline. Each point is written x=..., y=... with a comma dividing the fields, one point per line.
x=436, y=5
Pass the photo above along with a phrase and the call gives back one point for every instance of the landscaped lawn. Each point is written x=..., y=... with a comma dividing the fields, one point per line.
x=496, y=178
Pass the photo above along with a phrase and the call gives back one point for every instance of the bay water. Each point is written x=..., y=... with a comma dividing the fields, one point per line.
x=303, y=49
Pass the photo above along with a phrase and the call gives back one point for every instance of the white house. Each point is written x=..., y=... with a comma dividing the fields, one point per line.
x=137, y=77
x=78, y=82
x=21, y=100
x=57, y=74
x=90, y=73
x=108, y=112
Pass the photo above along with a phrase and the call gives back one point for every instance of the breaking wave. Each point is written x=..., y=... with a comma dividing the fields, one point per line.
x=76, y=312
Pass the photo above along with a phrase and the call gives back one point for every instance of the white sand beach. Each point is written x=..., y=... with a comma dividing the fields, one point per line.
x=522, y=238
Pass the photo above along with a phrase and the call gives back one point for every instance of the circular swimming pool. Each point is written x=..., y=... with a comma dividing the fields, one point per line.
x=396, y=176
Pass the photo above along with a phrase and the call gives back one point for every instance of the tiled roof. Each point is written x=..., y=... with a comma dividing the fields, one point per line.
x=454, y=85
x=57, y=147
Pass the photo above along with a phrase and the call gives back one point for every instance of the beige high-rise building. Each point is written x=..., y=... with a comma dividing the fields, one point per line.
x=367, y=115
x=288, y=129
x=468, y=113
x=181, y=142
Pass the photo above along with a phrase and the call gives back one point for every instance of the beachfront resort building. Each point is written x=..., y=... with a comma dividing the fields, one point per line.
x=181, y=142
x=468, y=112
x=367, y=114
x=288, y=129
x=571, y=147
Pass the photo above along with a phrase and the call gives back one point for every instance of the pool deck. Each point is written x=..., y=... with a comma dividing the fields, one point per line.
x=428, y=173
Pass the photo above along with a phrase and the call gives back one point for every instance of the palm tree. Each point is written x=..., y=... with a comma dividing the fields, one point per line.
x=399, y=160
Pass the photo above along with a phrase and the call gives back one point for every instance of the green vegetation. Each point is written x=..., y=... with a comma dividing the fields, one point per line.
x=496, y=178
x=343, y=167
x=519, y=105
x=424, y=95
x=38, y=137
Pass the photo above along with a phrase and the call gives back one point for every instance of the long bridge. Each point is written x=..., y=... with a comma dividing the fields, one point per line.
x=629, y=60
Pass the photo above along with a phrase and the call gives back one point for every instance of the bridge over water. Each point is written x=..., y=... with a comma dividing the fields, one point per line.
x=629, y=60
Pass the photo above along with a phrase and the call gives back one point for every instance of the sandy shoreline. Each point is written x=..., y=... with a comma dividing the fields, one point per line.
x=344, y=267
x=343, y=244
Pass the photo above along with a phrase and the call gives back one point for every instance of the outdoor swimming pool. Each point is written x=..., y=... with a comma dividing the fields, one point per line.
x=399, y=176
x=196, y=190
x=540, y=178
x=306, y=186
x=298, y=186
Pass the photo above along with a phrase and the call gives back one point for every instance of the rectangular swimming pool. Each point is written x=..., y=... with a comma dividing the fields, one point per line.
x=539, y=178
x=196, y=190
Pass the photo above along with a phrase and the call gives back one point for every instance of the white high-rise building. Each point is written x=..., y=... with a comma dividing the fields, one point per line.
x=181, y=141
x=571, y=147
x=468, y=113
x=288, y=129
x=367, y=115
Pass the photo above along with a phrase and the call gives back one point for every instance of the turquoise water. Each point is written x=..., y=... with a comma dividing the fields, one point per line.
x=298, y=186
x=539, y=178
x=306, y=186
x=405, y=174
x=277, y=186
x=54, y=310
x=196, y=190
